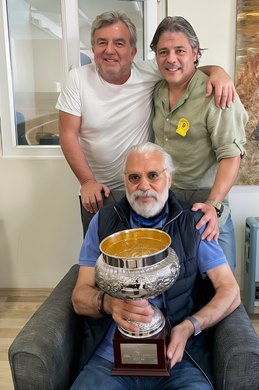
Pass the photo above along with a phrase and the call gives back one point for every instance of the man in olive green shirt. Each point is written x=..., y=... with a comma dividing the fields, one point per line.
x=205, y=142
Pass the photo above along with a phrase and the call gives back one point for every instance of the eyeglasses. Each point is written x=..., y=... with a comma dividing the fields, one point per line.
x=151, y=176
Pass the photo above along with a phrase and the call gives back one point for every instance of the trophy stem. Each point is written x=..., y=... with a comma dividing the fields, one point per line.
x=147, y=329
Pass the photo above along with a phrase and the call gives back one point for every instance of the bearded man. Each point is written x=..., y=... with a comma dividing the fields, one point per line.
x=149, y=203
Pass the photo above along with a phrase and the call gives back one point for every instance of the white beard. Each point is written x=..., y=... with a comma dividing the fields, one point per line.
x=147, y=209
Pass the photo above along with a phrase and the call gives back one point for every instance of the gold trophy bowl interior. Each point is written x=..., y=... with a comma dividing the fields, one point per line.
x=149, y=245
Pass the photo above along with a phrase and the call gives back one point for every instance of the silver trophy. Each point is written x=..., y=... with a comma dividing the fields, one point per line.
x=136, y=264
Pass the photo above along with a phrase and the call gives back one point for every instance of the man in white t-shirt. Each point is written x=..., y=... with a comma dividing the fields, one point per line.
x=106, y=107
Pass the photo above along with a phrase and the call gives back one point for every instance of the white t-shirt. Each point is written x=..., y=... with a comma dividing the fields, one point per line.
x=114, y=117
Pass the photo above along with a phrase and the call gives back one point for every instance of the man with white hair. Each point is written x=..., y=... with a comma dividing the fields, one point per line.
x=149, y=203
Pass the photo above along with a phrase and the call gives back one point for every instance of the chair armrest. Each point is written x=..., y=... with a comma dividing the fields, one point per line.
x=45, y=353
x=236, y=353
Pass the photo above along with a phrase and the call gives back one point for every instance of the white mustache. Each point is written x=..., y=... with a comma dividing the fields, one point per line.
x=150, y=193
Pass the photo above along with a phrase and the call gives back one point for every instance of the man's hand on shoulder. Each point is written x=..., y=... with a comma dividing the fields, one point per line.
x=91, y=195
x=225, y=92
x=210, y=218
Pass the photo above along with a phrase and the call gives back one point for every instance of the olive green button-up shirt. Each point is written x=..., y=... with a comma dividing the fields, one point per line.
x=196, y=133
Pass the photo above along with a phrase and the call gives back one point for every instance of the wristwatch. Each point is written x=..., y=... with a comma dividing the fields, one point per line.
x=196, y=325
x=217, y=205
x=100, y=302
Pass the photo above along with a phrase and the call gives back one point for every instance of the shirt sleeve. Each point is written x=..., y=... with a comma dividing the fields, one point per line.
x=69, y=99
x=90, y=248
x=210, y=255
x=227, y=130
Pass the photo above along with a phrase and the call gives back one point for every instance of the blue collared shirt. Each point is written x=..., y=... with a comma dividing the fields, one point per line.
x=210, y=255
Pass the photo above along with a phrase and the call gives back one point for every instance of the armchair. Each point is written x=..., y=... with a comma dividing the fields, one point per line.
x=45, y=354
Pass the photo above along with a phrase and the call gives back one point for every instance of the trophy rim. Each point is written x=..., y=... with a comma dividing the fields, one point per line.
x=136, y=261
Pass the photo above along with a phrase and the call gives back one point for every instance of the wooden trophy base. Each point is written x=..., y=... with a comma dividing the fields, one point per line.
x=141, y=357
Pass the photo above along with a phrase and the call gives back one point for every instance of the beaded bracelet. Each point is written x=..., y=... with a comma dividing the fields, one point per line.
x=100, y=302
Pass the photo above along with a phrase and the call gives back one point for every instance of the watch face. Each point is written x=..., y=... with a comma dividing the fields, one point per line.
x=220, y=210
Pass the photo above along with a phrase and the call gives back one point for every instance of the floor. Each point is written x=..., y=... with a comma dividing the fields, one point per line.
x=16, y=307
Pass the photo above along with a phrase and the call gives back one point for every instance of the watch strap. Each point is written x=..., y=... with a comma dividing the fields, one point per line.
x=214, y=203
x=196, y=325
x=217, y=205
x=100, y=303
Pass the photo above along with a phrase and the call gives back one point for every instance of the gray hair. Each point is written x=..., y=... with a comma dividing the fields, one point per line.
x=112, y=17
x=177, y=24
x=149, y=147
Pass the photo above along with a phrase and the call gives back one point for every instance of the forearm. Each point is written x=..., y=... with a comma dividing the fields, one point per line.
x=85, y=301
x=225, y=178
x=216, y=310
x=85, y=293
x=75, y=158
x=69, y=130
x=226, y=299
x=209, y=69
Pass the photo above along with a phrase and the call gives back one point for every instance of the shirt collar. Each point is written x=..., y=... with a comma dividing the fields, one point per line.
x=136, y=221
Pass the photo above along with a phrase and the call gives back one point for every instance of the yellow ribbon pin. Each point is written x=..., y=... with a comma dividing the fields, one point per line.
x=183, y=127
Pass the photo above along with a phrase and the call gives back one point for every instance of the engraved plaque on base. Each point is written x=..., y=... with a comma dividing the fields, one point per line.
x=141, y=357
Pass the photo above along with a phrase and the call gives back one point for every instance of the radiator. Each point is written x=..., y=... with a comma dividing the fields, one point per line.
x=251, y=272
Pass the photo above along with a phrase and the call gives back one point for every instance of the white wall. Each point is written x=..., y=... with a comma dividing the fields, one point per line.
x=40, y=232
x=40, y=229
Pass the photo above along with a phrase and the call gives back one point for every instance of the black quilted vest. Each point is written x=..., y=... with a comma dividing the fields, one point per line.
x=189, y=292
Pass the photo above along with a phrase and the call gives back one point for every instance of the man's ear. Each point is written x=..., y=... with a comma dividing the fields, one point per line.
x=195, y=53
x=133, y=53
